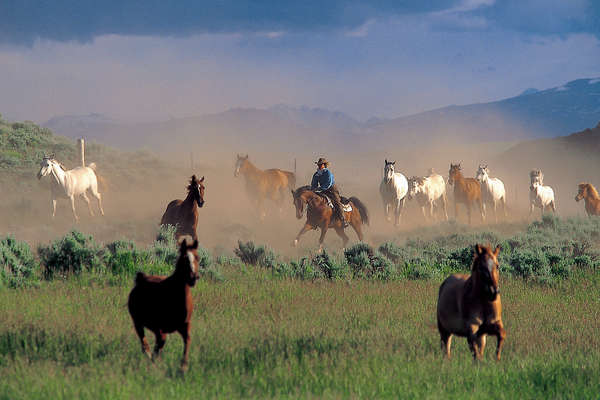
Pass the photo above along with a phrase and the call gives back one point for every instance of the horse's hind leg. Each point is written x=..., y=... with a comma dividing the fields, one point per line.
x=444, y=205
x=98, y=197
x=161, y=338
x=139, y=329
x=53, y=208
x=87, y=200
x=72, y=198
x=322, y=237
x=445, y=339
x=342, y=234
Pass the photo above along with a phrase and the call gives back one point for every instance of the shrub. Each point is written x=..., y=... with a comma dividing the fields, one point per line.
x=251, y=254
x=123, y=257
x=19, y=266
x=164, y=249
x=329, y=267
x=72, y=254
x=364, y=262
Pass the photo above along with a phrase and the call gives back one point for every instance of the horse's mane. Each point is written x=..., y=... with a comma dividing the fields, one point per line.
x=302, y=189
x=193, y=183
x=591, y=188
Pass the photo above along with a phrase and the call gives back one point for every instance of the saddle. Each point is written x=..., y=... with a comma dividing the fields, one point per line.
x=346, y=207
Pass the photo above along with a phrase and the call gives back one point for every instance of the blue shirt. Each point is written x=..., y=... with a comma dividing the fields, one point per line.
x=322, y=179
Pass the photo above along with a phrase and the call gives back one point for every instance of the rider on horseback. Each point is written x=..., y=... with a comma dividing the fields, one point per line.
x=323, y=182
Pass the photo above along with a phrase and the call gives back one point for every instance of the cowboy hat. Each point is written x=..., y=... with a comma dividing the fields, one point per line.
x=322, y=161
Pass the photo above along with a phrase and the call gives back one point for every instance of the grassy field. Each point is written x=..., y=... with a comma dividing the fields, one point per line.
x=255, y=336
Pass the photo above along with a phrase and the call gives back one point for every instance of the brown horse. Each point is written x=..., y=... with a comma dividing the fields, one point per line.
x=183, y=213
x=470, y=305
x=466, y=191
x=164, y=304
x=319, y=215
x=268, y=184
x=588, y=192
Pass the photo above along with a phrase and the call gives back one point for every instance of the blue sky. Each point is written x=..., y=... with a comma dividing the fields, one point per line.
x=149, y=60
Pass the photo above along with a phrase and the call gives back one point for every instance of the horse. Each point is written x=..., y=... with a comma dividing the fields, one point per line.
x=588, y=192
x=164, y=304
x=319, y=215
x=428, y=191
x=268, y=184
x=492, y=190
x=183, y=213
x=466, y=191
x=539, y=195
x=393, y=190
x=469, y=305
x=71, y=183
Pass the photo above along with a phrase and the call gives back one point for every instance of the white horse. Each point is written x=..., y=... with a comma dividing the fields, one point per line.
x=393, y=190
x=428, y=191
x=539, y=195
x=68, y=184
x=492, y=190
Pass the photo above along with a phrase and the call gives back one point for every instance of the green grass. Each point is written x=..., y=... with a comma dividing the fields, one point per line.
x=254, y=336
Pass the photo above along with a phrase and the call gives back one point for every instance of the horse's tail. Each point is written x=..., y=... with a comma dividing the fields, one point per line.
x=92, y=166
x=362, y=209
x=102, y=182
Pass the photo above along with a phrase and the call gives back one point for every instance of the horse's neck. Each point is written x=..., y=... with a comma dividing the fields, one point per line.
x=59, y=175
x=459, y=179
x=189, y=201
x=251, y=171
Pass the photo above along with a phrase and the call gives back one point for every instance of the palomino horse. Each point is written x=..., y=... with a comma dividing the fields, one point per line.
x=539, y=195
x=183, y=213
x=268, y=184
x=588, y=192
x=164, y=304
x=393, y=189
x=71, y=183
x=469, y=305
x=429, y=191
x=466, y=191
x=492, y=190
x=319, y=215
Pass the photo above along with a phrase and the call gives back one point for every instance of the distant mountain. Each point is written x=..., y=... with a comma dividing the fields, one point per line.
x=533, y=114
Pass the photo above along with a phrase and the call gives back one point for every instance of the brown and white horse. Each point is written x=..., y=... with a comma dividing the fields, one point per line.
x=183, y=213
x=268, y=184
x=320, y=215
x=469, y=305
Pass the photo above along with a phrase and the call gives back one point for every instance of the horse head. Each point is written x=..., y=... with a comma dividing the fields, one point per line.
x=582, y=193
x=388, y=170
x=299, y=200
x=239, y=163
x=485, y=271
x=454, y=172
x=196, y=188
x=46, y=166
x=187, y=264
x=482, y=173
x=537, y=178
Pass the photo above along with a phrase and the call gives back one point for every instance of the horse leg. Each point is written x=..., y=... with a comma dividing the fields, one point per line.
x=474, y=341
x=399, y=208
x=445, y=339
x=342, y=234
x=139, y=329
x=444, y=204
x=501, y=335
x=87, y=200
x=322, y=237
x=185, y=335
x=72, y=198
x=496, y=211
x=553, y=207
x=307, y=227
x=53, y=208
x=456, y=210
x=481, y=339
x=356, y=223
x=161, y=338
x=98, y=197
x=386, y=211
x=483, y=210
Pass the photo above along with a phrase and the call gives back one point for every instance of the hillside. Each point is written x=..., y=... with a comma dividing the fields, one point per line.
x=532, y=114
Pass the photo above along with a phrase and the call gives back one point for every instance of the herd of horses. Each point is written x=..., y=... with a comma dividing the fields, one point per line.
x=468, y=305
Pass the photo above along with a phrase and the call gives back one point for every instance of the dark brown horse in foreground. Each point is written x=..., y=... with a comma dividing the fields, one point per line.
x=588, y=192
x=164, y=304
x=268, y=184
x=319, y=215
x=183, y=213
x=469, y=305
x=466, y=191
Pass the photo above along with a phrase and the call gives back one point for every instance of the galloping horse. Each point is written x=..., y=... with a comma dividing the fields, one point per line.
x=183, y=213
x=393, y=189
x=164, y=304
x=470, y=305
x=319, y=215
x=268, y=184
x=492, y=190
x=540, y=195
x=588, y=192
x=466, y=191
x=71, y=183
x=428, y=191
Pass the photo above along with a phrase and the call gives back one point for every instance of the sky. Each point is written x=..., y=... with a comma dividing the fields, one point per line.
x=152, y=60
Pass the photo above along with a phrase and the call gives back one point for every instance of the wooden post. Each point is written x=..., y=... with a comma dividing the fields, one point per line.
x=81, y=143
